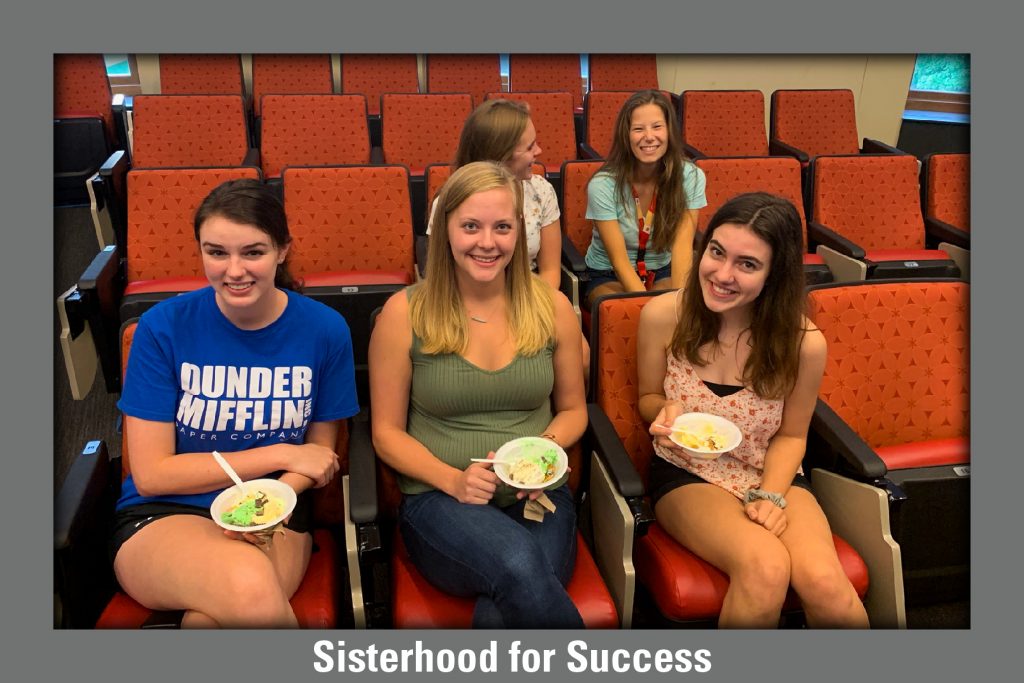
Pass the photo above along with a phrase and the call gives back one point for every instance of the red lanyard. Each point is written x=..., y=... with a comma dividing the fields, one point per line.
x=644, y=223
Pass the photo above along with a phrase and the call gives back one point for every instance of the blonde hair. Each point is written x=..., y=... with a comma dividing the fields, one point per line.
x=436, y=312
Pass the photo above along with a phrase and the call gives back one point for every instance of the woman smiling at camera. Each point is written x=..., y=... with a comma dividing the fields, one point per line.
x=479, y=353
x=250, y=368
x=735, y=343
x=644, y=202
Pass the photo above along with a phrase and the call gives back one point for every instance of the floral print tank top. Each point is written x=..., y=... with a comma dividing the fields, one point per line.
x=758, y=418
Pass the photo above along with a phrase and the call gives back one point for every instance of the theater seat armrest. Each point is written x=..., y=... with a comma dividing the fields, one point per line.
x=252, y=157
x=81, y=494
x=100, y=278
x=362, y=469
x=420, y=243
x=777, y=147
x=940, y=231
x=858, y=458
x=605, y=442
x=693, y=152
x=821, y=234
x=571, y=257
x=376, y=155
x=872, y=146
x=588, y=152
x=115, y=163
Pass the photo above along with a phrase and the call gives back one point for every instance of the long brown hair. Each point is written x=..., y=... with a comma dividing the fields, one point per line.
x=777, y=321
x=250, y=202
x=435, y=305
x=492, y=132
x=621, y=164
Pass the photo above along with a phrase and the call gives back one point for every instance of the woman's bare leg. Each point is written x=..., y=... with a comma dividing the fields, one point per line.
x=829, y=599
x=186, y=562
x=710, y=522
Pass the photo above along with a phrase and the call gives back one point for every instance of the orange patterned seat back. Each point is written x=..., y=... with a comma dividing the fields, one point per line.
x=328, y=501
x=200, y=74
x=313, y=130
x=600, y=110
x=162, y=203
x=872, y=200
x=616, y=388
x=816, y=121
x=176, y=131
x=725, y=123
x=374, y=75
x=290, y=74
x=729, y=177
x=948, y=189
x=476, y=74
x=419, y=130
x=577, y=227
x=623, y=72
x=346, y=218
x=897, y=369
x=546, y=73
x=551, y=113
x=81, y=88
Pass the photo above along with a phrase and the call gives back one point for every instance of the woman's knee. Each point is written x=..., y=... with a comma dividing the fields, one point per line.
x=251, y=595
x=824, y=584
x=763, y=571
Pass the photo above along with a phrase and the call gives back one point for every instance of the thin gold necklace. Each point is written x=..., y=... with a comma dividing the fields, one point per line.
x=478, y=319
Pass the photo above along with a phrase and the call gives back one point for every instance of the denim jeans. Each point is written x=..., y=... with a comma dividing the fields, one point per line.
x=516, y=568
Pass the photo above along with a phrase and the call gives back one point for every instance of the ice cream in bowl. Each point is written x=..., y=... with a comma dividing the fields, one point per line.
x=262, y=504
x=530, y=462
x=705, y=436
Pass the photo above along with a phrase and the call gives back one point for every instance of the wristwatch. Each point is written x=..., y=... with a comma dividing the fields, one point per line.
x=758, y=494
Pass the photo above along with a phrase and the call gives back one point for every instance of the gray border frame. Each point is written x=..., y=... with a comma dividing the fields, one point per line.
x=467, y=26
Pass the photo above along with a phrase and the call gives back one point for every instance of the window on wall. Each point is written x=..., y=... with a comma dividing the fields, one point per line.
x=941, y=83
x=123, y=74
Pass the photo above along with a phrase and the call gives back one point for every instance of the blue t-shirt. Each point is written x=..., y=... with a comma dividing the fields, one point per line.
x=229, y=389
x=604, y=203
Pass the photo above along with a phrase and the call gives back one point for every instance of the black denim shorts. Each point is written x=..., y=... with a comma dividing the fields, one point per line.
x=669, y=478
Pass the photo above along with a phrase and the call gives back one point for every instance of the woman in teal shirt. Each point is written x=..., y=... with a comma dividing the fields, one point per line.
x=644, y=202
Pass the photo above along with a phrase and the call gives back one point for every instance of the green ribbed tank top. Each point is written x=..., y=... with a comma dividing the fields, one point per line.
x=460, y=411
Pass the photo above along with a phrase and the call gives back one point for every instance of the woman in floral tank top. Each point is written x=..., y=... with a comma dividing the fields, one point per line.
x=735, y=343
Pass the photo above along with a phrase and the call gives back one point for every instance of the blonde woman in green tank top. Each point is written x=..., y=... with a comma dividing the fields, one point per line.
x=481, y=352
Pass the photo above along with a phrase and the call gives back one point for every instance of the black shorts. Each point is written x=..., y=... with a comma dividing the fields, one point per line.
x=669, y=478
x=128, y=521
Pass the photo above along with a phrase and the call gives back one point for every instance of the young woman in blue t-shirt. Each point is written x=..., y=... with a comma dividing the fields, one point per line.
x=252, y=369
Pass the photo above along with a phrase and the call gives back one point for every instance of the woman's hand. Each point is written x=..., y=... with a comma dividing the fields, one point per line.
x=476, y=484
x=661, y=428
x=317, y=462
x=768, y=515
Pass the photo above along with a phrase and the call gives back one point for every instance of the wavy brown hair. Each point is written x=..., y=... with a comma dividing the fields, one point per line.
x=250, y=202
x=622, y=165
x=777, y=321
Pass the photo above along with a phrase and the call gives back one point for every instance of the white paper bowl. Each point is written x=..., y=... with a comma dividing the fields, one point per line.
x=697, y=422
x=232, y=496
x=517, y=449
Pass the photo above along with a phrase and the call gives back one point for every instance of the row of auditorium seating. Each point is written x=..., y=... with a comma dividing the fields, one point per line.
x=888, y=458
x=865, y=221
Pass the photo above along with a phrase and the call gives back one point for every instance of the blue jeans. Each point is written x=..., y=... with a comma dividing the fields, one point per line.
x=516, y=568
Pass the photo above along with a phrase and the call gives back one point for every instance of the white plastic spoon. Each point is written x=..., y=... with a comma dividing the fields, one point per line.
x=230, y=470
